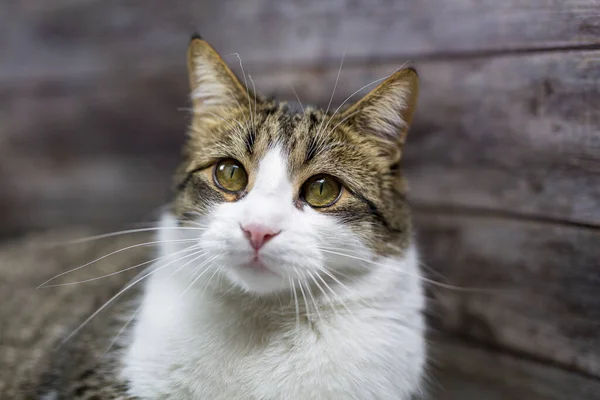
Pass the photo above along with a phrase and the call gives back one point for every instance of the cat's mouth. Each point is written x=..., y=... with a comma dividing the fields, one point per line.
x=256, y=264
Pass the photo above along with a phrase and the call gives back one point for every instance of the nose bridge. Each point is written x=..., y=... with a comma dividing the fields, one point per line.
x=267, y=206
x=271, y=197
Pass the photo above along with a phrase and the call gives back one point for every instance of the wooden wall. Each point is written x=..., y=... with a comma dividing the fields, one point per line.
x=503, y=159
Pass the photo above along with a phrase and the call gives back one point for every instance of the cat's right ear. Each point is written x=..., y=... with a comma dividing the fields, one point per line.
x=214, y=87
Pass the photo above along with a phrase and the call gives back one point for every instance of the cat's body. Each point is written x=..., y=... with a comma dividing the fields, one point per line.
x=287, y=265
x=224, y=346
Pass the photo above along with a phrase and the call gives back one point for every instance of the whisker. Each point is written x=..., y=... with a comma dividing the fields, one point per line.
x=337, y=296
x=431, y=281
x=326, y=272
x=364, y=87
x=327, y=298
x=300, y=283
x=158, y=242
x=298, y=98
x=246, y=85
x=332, y=94
x=310, y=294
x=123, y=328
x=195, y=247
x=254, y=90
x=125, y=232
x=343, y=120
x=217, y=270
x=106, y=304
x=296, y=303
x=199, y=276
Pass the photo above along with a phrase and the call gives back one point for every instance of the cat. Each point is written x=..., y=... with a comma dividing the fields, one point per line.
x=308, y=282
x=289, y=268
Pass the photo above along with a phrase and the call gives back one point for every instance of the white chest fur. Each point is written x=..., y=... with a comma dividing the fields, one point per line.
x=209, y=346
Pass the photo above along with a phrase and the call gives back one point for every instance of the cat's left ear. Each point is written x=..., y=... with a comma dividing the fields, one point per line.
x=215, y=88
x=386, y=112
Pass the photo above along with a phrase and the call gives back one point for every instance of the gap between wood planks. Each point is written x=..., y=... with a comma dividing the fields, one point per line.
x=469, y=211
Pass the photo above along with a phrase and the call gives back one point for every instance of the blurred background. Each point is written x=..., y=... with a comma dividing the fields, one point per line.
x=503, y=159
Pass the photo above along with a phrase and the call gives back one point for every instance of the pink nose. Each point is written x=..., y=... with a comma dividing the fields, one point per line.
x=258, y=235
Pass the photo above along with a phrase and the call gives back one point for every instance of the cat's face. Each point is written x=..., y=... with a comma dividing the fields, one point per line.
x=286, y=195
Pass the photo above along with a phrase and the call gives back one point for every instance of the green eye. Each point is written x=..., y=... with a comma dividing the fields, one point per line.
x=321, y=191
x=230, y=176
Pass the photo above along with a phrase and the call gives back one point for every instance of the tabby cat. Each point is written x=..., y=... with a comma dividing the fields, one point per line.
x=287, y=265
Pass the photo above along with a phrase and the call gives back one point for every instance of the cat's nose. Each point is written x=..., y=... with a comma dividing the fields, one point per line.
x=258, y=234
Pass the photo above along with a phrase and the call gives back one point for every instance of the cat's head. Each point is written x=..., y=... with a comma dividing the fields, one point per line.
x=283, y=195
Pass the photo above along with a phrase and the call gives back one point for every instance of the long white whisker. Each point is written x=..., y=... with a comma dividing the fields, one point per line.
x=192, y=248
x=246, y=85
x=364, y=87
x=297, y=98
x=324, y=270
x=115, y=252
x=217, y=270
x=125, y=232
x=187, y=263
x=337, y=296
x=333, y=308
x=332, y=94
x=310, y=294
x=107, y=303
x=343, y=120
x=431, y=281
x=296, y=303
x=200, y=275
x=308, y=317
x=123, y=328
x=254, y=90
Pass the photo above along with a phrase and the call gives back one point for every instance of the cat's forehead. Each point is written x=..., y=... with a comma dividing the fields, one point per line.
x=309, y=140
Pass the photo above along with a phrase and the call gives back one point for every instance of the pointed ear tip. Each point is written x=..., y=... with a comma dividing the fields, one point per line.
x=413, y=70
x=195, y=36
x=406, y=74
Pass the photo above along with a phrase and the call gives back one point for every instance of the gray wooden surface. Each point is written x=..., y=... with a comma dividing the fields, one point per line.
x=503, y=159
x=461, y=371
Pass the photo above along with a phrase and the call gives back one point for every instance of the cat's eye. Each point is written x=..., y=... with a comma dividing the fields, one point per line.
x=230, y=176
x=321, y=191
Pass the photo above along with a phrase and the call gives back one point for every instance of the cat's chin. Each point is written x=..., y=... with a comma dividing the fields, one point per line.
x=256, y=277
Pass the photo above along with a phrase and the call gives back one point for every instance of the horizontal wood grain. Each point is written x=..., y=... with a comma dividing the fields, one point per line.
x=517, y=134
x=526, y=286
x=462, y=371
x=65, y=38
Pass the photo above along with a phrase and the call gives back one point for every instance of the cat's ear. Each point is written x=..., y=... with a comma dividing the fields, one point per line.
x=214, y=87
x=385, y=113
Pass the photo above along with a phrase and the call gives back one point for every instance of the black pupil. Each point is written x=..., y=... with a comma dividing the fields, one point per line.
x=233, y=169
x=321, y=185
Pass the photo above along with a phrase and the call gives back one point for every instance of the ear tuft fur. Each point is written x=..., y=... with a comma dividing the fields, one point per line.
x=214, y=86
x=386, y=112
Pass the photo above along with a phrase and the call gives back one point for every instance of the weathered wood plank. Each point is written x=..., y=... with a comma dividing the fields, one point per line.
x=464, y=372
x=66, y=38
x=530, y=287
x=517, y=133
x=40, y=193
